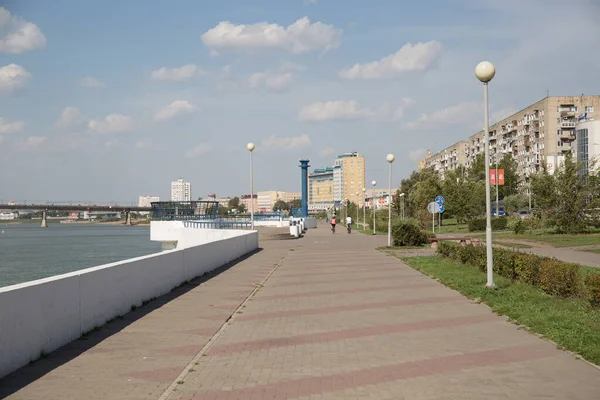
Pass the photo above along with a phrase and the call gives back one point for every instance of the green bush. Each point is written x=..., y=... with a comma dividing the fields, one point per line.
x=407, y=233
x=519, y=227
x=478, y=225
x=559, y=278
x=526, y=267
x=592, y=283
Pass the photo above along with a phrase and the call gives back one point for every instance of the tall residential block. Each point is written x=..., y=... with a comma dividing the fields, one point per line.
x=320, y=189
x=349, y=178
x=146, y=201
x=181, y=190
x=540, y=133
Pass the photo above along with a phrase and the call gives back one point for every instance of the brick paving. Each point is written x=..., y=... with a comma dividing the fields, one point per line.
x=322, y=317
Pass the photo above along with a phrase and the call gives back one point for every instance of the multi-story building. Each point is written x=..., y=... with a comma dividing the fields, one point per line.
x=349, y=177
x=181, y=190
x=587, y=146
x=320, y=189
x=248, y=201
x=540, y=133
x=145, y=201
x=267, y=199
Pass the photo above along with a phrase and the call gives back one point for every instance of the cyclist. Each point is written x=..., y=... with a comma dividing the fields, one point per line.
x=333, y=222
x=349, y=223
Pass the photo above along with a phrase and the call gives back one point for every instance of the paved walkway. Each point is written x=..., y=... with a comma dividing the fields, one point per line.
x=322, y=317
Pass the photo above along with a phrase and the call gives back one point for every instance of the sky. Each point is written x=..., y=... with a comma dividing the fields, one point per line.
x=107, y=101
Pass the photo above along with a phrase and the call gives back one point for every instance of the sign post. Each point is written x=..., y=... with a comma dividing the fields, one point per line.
x=440, y=201
x=433, y=208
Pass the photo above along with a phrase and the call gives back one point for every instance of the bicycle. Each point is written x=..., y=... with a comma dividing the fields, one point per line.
x=332, y=228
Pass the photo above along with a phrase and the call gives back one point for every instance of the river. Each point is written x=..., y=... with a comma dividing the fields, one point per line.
x=28, y=252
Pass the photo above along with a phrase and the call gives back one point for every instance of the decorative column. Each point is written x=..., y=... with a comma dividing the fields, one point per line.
x=44, y=220
x=304, y=174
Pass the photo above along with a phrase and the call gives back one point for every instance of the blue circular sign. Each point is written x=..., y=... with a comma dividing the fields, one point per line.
x=440, y=200
x=442, y=208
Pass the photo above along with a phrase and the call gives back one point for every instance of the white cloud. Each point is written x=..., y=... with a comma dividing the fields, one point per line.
x=112, y=123
x=181, y=74
x=177, y=108
x=13, y=77
x=202, y=148
x=10, y=127
x=411, y=57
x=35, y=141
x=90, y=82
x=352, y=110
x=466, y=113
x=71, y=118
x=271, y=80
x=417, y=154
x=286, y=143
x=300, y=37
x=18, y=35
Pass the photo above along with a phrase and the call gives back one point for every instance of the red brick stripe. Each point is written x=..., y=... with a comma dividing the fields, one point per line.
x=351, y=307
x=388, y=373
x=333, y=336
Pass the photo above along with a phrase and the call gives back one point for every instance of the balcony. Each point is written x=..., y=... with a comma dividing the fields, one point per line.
x=567, y=113
x=567, y=136
x=567, y=124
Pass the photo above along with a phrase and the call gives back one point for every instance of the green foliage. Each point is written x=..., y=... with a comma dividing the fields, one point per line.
x=478, y=225
x=516, y=202
x=408, y=233
x=554, y=277
x=592, y=283
x=519, y=227
x=281, y=205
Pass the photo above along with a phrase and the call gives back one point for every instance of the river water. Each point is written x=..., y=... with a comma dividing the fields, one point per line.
x=28, y=252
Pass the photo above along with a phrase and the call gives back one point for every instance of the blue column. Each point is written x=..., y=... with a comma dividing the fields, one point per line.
x=304, y=165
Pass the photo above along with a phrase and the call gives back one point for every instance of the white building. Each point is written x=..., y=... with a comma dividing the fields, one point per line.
x=587, y=146
x=5, y=216
x=181, y=190
x=145, y=201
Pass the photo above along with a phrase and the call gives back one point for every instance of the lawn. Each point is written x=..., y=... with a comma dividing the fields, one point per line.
x=572, y=323
x=595, y=251
x=512, y=244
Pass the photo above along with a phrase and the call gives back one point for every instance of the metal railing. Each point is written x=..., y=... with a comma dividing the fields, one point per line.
x=184, y=210
x=217, y=224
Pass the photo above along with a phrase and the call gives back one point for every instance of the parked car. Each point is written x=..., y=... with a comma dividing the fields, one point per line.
x=523, y=214
x=499, y=213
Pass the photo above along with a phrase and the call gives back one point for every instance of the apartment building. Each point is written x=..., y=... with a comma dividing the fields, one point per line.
x=267, y=199
x=181, y=190
x=349, y=177
x=248, y=201
x=146, y=201
x=541, y=132
x=320, y=189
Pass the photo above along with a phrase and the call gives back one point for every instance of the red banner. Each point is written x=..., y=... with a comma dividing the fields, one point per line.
x=500, y=176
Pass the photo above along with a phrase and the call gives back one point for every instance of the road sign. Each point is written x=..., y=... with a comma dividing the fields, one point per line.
x=433, y=207
x=440, y=200
x=441, y=209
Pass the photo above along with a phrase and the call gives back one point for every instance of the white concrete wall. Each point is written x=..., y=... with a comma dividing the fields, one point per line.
x=40, y=316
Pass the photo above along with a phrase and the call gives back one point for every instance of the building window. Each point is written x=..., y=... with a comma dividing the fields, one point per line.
x=589, y=108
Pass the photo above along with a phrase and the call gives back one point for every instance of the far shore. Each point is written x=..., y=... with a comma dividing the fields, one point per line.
x=78, y=222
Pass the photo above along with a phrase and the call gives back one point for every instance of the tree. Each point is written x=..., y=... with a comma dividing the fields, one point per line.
x=234, y=203
x=477, y=170
x=241, y=208
x=281, y=205
x=543, y=189
x=296, y=203
x=572, y=193
x=511, y=178
x=397, y=204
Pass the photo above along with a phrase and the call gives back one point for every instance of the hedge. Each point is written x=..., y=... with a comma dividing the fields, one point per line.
x=553, y=276
x=409, y=233
x=498, y=224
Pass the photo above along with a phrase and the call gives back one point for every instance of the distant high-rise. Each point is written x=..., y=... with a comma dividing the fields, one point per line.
x=146, y=201
x=349, y=177
x=181, y=190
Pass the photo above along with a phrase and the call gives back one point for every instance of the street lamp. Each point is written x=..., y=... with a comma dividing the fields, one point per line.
x=374, y=183
x=364, y=208
x=251, y=147
x=390, y=159
x=485, y=72
x=402, y=210
x=357, y=208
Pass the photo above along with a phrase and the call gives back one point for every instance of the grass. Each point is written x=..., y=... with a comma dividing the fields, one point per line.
x=595, y=251
x=450, y=225
x=571, y=323
x=512, y=244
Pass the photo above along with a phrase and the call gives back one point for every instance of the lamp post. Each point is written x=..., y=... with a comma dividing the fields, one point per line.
x=251, y=147
x=402, y=209
x=390, y=159
x=374, y=183
x=357, y=209
x=485, y=72
x=364, y=208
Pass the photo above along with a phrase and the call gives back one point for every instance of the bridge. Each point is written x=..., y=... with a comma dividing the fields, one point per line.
x=44, y=208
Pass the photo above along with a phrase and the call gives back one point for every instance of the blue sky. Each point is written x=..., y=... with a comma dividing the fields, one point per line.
x=110, y=100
